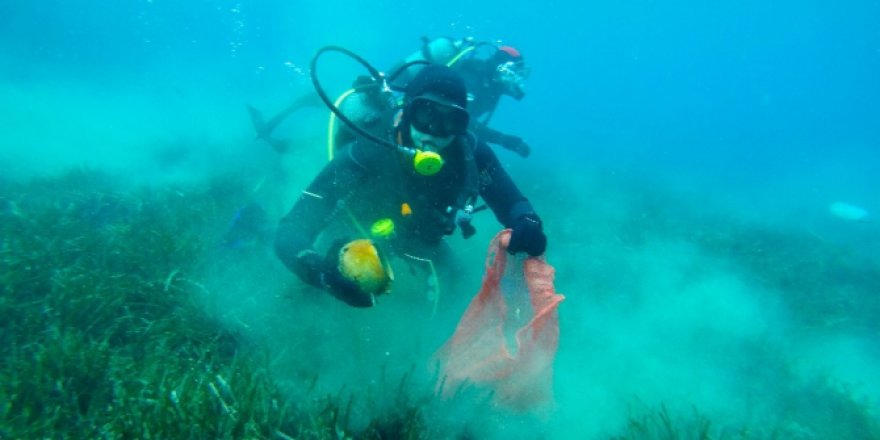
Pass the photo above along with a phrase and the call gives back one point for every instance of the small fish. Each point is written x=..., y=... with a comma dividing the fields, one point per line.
x=850, y=212
x=249, y=227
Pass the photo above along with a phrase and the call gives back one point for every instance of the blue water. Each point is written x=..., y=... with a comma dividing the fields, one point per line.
x=768, y=82
x=768, y=110
x=737, y=93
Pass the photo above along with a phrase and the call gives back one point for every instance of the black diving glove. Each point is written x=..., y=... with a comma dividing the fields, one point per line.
x=515, y=144
x=527, y=236
x=324, y=273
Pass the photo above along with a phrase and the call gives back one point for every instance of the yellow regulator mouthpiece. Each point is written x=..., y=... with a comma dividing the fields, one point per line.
x=427, y=163
x=382, y=228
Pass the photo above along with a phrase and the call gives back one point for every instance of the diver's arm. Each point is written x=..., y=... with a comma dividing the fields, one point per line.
x=511, y=208
x=508, y=141
x=486, y=98
x=484, y=133
x=498, y=189
x=297, y=231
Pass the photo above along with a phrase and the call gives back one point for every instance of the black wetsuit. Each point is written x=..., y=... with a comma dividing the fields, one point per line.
x=367, y=182
x=482, y=86
x=486, y=92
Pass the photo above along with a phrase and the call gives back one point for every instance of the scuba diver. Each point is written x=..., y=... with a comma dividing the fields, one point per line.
x=412, y=184
x=489, y=70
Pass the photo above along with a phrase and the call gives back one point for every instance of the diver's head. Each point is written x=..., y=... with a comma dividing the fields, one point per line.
x=435, y=122
x=511, y=71
x=435, y=107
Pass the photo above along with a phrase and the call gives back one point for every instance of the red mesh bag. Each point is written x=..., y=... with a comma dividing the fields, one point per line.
x=506, y=340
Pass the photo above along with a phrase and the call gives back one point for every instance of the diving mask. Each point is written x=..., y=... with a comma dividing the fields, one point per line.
x=512, y=76
x=437, y=119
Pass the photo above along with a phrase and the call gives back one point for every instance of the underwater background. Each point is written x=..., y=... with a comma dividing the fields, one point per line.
x=707, y=174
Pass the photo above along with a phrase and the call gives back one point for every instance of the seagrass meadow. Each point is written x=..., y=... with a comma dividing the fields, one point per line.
x=102, y=335
x=706, y=174
x=108, y=331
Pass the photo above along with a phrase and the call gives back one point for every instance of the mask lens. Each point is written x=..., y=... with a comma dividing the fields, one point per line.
x=513, y=72
x=512, y=76
x=437, y=119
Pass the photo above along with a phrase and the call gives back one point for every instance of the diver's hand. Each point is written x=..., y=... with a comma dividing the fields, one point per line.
x=324, y=273
x=527, y=236
x=345, y=289
x=516, y=144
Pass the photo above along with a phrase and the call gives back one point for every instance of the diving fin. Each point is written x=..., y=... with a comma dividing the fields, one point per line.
x=264, y=130
x=257, y=121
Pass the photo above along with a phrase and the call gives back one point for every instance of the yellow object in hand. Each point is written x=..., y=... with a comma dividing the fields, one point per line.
x=359, y=262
